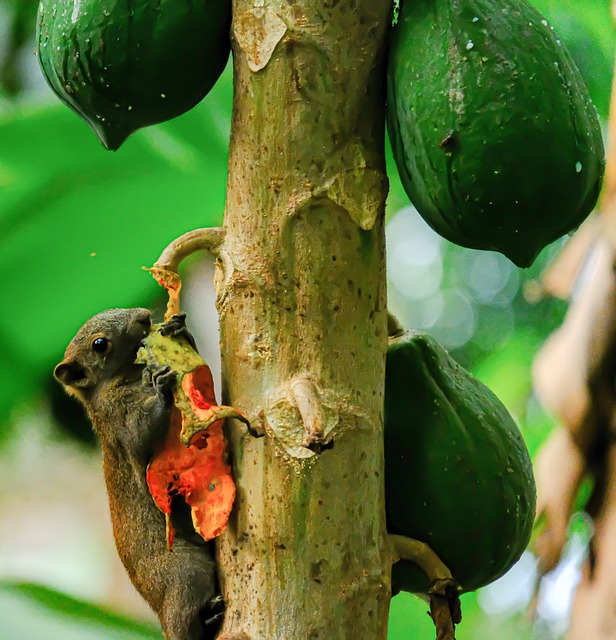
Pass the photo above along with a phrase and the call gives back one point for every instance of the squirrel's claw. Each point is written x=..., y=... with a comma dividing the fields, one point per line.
x=212, y=614
x=176, y=327
x=164, y=380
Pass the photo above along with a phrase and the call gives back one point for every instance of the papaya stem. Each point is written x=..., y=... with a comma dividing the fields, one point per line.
x=191, y=428
x=165, y=269
x=444, y=593
x=394, y=328
x=208, y=239
x=423, y=556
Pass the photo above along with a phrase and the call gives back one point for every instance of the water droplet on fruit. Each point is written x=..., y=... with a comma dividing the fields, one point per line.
x=578, y=167
x=544, y=23
x=469, y=45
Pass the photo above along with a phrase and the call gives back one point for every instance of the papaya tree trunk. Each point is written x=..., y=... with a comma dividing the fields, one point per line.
x=302, y=303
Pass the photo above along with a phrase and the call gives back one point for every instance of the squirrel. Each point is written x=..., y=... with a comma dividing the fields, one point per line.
x=129, y=407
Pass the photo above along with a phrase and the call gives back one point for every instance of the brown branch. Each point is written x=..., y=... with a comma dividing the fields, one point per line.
x=440, y=612
x=445, y=609
x=165, y=269
x=208, y=239
x=559, y=470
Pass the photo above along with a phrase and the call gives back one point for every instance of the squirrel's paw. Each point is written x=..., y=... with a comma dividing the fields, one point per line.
x=212, y=615
x=176, y=327
x=164, y=379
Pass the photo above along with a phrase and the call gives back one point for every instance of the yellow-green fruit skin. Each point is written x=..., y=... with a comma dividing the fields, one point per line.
x=496, y=140
x=457, y=471
x=126, y=64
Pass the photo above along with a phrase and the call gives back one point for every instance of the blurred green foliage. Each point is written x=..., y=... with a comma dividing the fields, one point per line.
x=587, y=28
x=77, y=223
x=32, y=612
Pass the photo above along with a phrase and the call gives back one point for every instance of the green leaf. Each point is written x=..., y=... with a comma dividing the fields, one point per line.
x=31, y=612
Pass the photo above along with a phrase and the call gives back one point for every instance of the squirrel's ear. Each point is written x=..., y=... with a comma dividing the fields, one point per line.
x=71, y=374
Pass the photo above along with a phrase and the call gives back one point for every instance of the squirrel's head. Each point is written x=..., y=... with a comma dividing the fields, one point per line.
x=104, y=347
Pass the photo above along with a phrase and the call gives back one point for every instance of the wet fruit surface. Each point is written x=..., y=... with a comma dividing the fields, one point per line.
x=123, y=65
x=496, y=140
x=457, y=472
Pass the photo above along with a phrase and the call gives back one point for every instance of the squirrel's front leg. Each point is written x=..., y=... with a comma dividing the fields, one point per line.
x=148, y=424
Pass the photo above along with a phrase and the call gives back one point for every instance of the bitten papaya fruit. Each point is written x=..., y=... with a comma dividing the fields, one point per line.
x=123, y=65
x=458, y=476
x=191, y=462
x=496, y=140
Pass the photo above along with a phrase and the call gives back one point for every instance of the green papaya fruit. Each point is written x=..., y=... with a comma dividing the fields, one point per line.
x=457, y=472
x=497, y=142
x=122, y=65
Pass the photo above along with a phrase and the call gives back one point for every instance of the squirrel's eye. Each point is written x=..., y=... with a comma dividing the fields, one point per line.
x=100, y=345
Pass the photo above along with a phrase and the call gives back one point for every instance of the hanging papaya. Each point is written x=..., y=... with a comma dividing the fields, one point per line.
x=123, y=65
x=496, y=140
x=458, y=476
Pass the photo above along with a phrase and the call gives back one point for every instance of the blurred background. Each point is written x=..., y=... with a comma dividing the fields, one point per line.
x=76, y=225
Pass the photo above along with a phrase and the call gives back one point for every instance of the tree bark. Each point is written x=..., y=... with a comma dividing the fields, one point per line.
x=302, y=303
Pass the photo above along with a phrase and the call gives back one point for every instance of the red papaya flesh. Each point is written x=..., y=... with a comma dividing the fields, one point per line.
x=457, y=472
x=496, y=140
x=125, y=64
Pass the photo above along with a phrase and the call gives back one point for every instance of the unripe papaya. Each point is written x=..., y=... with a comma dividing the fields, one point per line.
x=122, y=65
x=497, y=142
x=457, y=472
